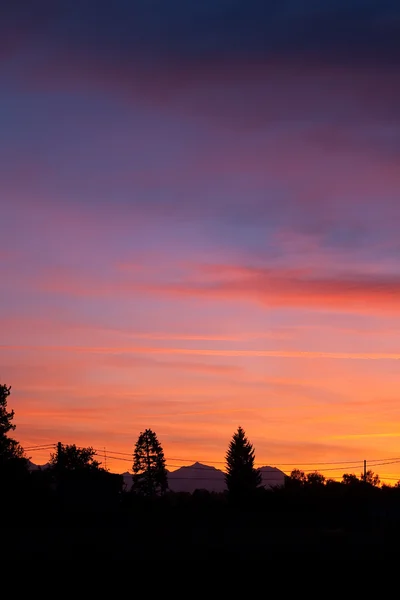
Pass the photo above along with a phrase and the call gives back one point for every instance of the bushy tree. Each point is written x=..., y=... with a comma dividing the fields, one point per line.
x=80, y=481
x=9, y=448
x=296, y=480
x=298, y=475
x=70, y=457
x=150, y=476
x=241, y=477
x=315, y=479
x=350, y=479
x=371, y=478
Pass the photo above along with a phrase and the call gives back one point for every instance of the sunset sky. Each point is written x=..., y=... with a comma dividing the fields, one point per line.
x=200, y=228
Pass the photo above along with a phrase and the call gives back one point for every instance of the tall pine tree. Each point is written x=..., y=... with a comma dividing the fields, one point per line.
x=149, y=472
x=242, y=479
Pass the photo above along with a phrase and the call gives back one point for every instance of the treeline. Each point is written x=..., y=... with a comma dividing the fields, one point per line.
x=75, y=493
x=73, y=467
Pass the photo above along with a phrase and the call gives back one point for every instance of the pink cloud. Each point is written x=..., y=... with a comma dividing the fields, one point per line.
x=74, y=326
x=187, y=83
x=301, y=287
x=288, y=288
x=112, y=350
x=127, y=361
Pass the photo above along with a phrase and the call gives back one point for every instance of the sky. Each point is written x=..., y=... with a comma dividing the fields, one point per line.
x=200, y=216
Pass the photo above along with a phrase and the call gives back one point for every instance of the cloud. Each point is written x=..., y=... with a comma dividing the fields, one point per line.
x=127, y=361
x=272, y=286
x=208, y=352
x=231, y=191
x=299, y=288
x=263, y=135
x=268, y=449
x=245, y=64
x=63, y=326
x=212, y=29
x=354, y=436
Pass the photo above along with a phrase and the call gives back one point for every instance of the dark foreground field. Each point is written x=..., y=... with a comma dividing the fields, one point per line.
x=80, y=521
x=188, y=536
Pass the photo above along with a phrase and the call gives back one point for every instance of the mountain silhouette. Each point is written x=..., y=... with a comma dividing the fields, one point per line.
x=200, y=477
x=196, y=477
x=33, y=467
x=272, y=477
x=204, y=477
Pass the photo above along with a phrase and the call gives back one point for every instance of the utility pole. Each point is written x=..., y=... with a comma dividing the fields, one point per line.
x=149, y=486
x=365, y=470
x=105, y=458
x=59, y=470
x=59, y=456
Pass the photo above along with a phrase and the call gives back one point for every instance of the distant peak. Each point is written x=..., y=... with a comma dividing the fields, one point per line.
x=199, y=465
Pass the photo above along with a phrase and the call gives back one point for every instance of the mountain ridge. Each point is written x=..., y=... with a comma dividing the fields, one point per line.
x=199, y=476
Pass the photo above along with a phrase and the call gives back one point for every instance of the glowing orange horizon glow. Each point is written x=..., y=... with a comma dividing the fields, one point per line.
x=192, y=398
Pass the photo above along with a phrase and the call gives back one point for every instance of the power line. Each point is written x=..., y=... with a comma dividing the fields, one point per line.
x=396, y=458
x=357, y=466
x=220, y=462
x=109, y=456
x=39, y=448
x=191, y=460
x=122, y=456
x=386, y=463
x=354, y=466
x=112, y=451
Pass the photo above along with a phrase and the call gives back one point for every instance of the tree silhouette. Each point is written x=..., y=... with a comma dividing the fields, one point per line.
x=241, y=477
x=315, y=479
x=149, y=472
x=350, y=479
x=9, y=448
x=371, y=478
x=80, y=481
x=72, y=458
x=297, y=475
